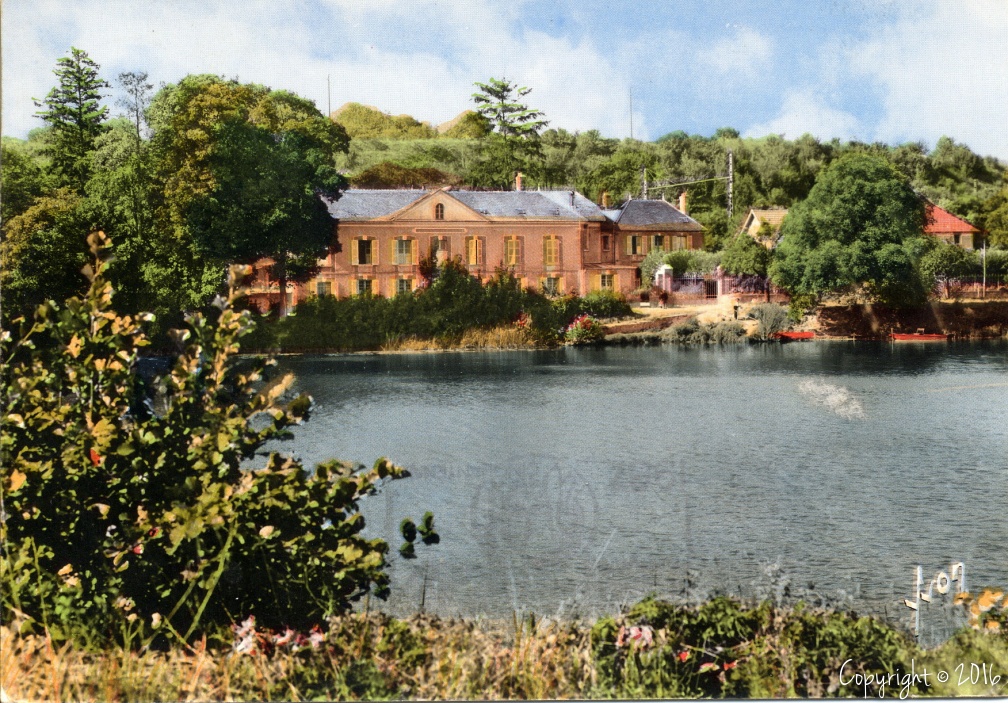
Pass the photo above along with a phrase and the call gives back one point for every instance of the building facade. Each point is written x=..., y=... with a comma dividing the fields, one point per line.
x=557, y=241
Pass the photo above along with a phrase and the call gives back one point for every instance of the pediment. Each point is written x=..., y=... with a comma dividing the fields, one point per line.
x=426, y=210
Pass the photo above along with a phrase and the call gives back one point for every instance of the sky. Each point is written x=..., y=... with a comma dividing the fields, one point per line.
x=885, y=70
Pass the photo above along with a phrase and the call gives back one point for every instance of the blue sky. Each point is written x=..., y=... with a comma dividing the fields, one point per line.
x=890, y=71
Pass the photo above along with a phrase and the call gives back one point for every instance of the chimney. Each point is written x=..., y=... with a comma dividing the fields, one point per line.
x=605, y=199
x=518, y=181
x=572, y=199
x=682, y=203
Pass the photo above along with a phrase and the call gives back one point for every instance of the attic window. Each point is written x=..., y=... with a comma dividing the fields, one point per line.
x=520, y=211
x=439, y=211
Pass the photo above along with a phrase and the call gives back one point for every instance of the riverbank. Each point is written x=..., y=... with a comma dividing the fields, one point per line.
x=722, y=648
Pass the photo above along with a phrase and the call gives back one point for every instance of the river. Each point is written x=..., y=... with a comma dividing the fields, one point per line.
x=572, y=482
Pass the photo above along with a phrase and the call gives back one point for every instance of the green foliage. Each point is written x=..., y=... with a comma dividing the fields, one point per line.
x=129, y=507
x=513, y=143
x=391, y=175
x=744, y=255
x=604, y=304
x=469, y=125
x=365, y=122
x=42, y=252
x=772, y=318
x=693, y=332
x=861, y=224
x=74, y=112
x=22, y=179
x=801, y=305
x=454, y=303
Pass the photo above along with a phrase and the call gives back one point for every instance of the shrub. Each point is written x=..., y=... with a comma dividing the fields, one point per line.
x=801, y=305
x=772, y=318
x=127, y=506
x=583, y=329
x=692, y=332
x=604, y=304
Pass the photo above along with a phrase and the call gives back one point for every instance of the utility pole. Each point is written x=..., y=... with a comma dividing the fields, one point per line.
x=631, y=113
x=731, y=182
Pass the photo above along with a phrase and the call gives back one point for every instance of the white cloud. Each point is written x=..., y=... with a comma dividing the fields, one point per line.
x=943, y=70
x=804, y=112
x=741, y=56
x=366, y=48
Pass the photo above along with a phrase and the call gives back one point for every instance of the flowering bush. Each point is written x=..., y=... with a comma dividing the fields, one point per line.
x=583, y=329
x=129, y=504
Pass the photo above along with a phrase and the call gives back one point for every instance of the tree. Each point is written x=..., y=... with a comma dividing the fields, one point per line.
x=513, y=144
x=745, y=256
x=73, y=109
x=22, y=179
x=861, y=224
x=136, y=98
x=243, y=170
x=42, y=252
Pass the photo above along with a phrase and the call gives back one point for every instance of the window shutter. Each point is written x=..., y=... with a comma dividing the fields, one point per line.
x=414, y=250
x=547, y=259
x=374, y=251
x=521, y=251
x=354, y=250
x=629, y=245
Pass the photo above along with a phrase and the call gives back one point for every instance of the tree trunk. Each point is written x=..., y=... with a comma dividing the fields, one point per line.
x=281, y=271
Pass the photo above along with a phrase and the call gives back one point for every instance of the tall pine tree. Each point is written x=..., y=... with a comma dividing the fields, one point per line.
x=74, y=112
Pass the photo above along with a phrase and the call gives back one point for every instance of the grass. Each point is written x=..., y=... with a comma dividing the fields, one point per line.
x=720, y=648
x=502, y=337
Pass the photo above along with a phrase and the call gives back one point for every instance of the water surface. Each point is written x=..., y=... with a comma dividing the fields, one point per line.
x=571, y=482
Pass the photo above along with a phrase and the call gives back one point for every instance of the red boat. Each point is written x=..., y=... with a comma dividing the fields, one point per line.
x=793, y=336
x=918, y=337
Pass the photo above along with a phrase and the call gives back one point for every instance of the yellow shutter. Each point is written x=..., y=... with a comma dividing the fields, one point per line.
x=374, y=251
x=629, y=245
x=353, y=251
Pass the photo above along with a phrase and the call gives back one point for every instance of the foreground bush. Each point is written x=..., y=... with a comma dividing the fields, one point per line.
x=719, y=649
x=133, y=509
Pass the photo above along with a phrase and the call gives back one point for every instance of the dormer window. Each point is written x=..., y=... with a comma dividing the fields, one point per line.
x=439, y=211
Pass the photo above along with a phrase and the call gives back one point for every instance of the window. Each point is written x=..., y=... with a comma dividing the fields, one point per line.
x=439, y=211
x=659, y=242
x=323, y=288
x=606, y=281
x=404, y=252
x=362, y=252
x=679, y=242
x=440, y=249
x=636, y=244
x=474, y=251
x=551, y=286
x=551, y=251
x=605, y=242
x=363, y=286
x=512, y=251
x=404, y=285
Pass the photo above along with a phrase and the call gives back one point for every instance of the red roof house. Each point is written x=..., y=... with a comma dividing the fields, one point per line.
x=954, y=230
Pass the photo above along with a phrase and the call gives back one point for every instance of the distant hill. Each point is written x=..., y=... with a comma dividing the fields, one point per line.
x=368, y=122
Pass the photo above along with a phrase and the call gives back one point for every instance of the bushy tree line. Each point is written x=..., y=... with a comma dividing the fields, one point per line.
x=455, y=302
x=199, y=175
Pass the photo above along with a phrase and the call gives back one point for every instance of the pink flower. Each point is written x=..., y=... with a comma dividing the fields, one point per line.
x=642, y=636
x=285, y=638
x=316, y=637
x=683, y=656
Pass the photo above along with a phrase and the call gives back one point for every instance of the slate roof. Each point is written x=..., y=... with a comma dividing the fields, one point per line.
x=652, y=214
x=365, y=204
x=941, y=221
